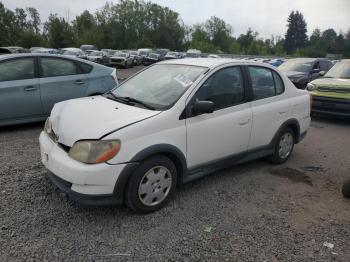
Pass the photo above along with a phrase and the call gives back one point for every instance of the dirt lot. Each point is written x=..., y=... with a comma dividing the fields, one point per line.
x=251, y=212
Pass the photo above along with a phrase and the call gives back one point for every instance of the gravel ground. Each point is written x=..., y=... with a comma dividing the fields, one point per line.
x=250, y=212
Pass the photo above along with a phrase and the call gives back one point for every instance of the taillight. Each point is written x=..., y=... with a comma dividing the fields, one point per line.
x=114, y=76
x=310, y=101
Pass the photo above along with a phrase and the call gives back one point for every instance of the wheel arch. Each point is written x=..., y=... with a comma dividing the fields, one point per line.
x=292, y=124
x=170, y=151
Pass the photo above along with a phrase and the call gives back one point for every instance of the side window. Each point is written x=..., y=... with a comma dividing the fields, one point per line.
x=225, y=88
x=57, y=67
x=85, y=68
x=323, y=66
x=17, y=69
x=262, y=82
x=316, y=66
x=278, y=83
x=330, y=65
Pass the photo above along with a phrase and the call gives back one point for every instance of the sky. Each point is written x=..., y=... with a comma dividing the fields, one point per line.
x=268, y=17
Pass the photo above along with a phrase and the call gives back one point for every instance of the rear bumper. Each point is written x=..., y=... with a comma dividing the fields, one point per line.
x=330, y=106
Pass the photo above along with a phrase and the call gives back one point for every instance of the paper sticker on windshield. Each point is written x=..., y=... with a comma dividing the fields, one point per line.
x=183, y=80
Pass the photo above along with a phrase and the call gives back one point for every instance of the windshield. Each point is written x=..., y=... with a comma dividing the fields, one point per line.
x=297, y=66
x=339, y=70
x=143, y=53
x=161, y=85
x=96, y=53
x=154, y=56
x=67, y=52
x=121, y=54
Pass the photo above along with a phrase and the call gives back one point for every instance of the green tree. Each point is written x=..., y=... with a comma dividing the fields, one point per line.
x=59, y=32
x=296, y=34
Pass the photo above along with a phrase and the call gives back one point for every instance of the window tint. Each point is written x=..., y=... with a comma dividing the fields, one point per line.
x=224, y=88
x=57, y=67
x=265, y=83
x=17, y=69
x=85, y=68
x=323, y=66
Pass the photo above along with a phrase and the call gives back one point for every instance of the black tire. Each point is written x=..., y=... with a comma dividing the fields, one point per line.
x=132, y=198
x=276, y=158
x=346, y=189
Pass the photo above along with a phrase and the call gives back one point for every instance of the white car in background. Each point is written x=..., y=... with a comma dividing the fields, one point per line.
x=174, y=122
x=121, y=59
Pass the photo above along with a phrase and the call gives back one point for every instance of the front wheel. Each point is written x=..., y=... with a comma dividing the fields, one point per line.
x=346, y=189
x=284, y=147
x=152, y=185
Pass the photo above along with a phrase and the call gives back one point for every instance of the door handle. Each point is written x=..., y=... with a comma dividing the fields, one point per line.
x=244, y=122
x=282, y=112
x=79, y=82
x=30, y=88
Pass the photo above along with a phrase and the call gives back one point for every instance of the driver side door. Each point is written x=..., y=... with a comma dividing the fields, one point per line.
x=226, y=131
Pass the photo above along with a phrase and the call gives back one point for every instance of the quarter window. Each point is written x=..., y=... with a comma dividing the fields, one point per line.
x=265, y=83
x=52, y=67
x=225, y=88
x=17, y=69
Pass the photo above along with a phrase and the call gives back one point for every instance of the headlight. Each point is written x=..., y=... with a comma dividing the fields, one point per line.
x=311, y=87
x=93, y=151
x=48, y=126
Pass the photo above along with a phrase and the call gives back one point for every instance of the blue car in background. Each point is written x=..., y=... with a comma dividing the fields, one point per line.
x=276, y=62
x=30, y=84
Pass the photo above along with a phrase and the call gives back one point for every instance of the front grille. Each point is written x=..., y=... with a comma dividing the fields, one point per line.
x=116, y=60
x=334, y=89
x=335, y=105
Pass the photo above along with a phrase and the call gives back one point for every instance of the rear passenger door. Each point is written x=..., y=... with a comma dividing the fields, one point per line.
x=60, y=79
x=19, y=89
x=270, y=105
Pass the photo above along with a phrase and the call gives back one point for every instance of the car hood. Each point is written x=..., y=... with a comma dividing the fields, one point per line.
x=92, y=118
x=295, y=74
x=332, y=83
x=93, y=57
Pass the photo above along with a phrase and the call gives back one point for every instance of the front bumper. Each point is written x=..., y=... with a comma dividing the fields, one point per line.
x=330, y=106
x=80, y=181
x=118, y=63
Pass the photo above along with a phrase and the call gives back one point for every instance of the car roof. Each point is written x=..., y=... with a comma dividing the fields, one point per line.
x=210, y=62
x=6, y=56
x=306, y=60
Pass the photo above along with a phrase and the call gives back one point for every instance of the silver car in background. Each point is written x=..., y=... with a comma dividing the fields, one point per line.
x=30, y=84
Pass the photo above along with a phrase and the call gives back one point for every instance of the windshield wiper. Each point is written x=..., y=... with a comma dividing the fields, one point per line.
x=129, y=100
x=133, y=100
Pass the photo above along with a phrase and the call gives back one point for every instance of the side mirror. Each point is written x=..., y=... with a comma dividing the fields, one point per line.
x=322, y=73
x=203, y=107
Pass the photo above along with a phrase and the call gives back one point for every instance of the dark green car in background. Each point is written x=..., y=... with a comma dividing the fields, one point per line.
x=331, y=94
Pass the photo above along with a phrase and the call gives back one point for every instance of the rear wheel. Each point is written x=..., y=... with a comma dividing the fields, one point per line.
x=152, y=185
x=284, y=147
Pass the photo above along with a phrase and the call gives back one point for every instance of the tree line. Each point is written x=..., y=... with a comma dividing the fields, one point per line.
x=131, y=24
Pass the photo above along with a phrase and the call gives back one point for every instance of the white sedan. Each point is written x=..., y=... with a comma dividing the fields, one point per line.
x=174, y=122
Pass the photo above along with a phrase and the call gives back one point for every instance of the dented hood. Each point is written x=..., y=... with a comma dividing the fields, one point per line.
x=92, y=118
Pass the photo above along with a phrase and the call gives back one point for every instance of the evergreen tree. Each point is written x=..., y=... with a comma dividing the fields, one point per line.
x=296, y=34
